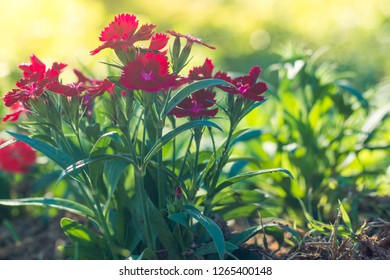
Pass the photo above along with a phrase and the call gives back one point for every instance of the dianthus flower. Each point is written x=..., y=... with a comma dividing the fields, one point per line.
x=247, y=86
x=69, y=90
x=149, y=72
x=122, y=33
x=94, y=87
x=16, y=109
x=206, y=72
x=197, y=105
x=158, y=42
x=35, y=80
x=17, y=157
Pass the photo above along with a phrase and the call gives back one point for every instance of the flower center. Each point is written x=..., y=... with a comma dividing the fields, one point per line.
x=147, y=76
x=196, y=108
x=243, y=88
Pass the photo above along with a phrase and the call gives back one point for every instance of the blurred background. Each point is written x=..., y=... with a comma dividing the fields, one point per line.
x=245, y=32
x=335, y=144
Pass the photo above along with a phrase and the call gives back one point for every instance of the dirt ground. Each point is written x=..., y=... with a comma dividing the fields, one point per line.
x=37, y=239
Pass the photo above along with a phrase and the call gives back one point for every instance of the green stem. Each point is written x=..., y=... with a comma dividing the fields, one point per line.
x=145, y=211
x=198, y=138
x=94, y=204
x=161, y=186
x=220, y=163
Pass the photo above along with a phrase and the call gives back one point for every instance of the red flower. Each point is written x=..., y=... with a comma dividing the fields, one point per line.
x=17, y=108
x=90, y=86
x=99, y=87
x=93, y=87
x=206, y=72
x=190, y=39
x=148, y=72
x=197, y=105
x=158, y=42
x=68, y=90
x=121, y=33
x=247, y=86
x=16, y=158
x=35, y=80
x=202, y=72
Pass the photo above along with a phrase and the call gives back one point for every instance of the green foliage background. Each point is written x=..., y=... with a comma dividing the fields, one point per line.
x=245, y=32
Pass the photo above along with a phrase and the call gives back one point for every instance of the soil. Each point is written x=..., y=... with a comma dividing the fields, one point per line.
x=37, y=239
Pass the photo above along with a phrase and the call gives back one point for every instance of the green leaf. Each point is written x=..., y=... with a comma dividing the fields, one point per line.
x=247, y=135
x=228, y=197
x=103, y=142
x=82, y=163
x=276, y=232
x=230, y=181
x=345, y=217
x=58, y=156
x=180, y=218
x=372, y=123
x=158, y=224
x=188, y=90
x=59, y=203
x=79, y=233
x=100, y=148
x=210, y=248
x=211, y=227
x=113, y=171
x=354, y=92
x=271, y=229
x=172, y=134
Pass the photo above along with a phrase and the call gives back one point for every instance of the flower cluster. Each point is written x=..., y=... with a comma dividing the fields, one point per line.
x=147, y=69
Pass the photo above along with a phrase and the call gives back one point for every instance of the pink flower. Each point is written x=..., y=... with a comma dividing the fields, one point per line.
x=16, y=158
x=148, y=72
x=122, y=33
x=206, y=72
x=197, y=105
x=16, y=109
x=202, y=72
x=94, y=87
x=190, y=39
x=35, y=80
x=247, y=86
x=69, y=90
x=158, y=42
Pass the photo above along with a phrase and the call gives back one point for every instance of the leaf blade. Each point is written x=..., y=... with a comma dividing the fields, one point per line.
x=59, y=203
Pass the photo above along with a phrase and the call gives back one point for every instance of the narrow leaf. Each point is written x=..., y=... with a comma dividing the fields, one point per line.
x=345, y=217
x=79, y=233
x=103, y=142
x=211, y=227
x=59, y=157
x=247, y=135
x=59, y=203
x=172, y=134
x=210, y=248
x=243, y=236
x=238, y=178
x=82, y=163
